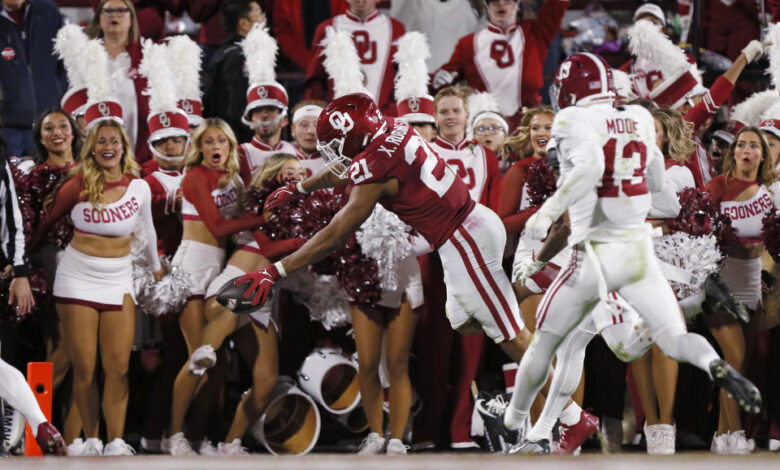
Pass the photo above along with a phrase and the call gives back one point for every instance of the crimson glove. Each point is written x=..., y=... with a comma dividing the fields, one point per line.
x=262, y=281
x=281, y=197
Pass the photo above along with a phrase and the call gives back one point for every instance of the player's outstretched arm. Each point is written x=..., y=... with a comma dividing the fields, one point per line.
x=320, y=180
x=360, y=205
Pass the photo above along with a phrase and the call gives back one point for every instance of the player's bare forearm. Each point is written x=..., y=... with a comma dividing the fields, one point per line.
x=360, y=205
x=323, y=179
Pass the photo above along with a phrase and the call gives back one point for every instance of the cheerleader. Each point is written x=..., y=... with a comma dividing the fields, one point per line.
x=212, y=193
x=93, y=287
x=745, y=192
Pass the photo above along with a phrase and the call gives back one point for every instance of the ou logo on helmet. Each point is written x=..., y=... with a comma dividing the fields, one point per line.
x=104, y=110
x=564, y=71
x=414, y=105
x=341, y=122
x=165, y=121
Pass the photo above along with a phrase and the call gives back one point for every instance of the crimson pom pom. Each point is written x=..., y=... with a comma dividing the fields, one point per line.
x=307, y=214
x=700, y=216
x=31, y=191
x=772, y=234
x=541, y=181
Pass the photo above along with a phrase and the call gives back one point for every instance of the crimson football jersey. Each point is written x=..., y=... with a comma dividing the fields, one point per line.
x=430, y=198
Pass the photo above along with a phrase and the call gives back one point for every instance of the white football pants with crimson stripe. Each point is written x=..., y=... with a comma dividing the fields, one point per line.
x=477, y=286
x=631, y=269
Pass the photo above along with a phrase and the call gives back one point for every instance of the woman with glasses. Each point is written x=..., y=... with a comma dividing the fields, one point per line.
x=116, y=23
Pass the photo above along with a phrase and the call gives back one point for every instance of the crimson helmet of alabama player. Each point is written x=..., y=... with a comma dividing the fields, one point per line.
x=345, y=127
x=582, y=79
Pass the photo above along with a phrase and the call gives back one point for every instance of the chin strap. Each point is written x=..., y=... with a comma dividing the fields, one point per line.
x=256, y=125
x=175, y=159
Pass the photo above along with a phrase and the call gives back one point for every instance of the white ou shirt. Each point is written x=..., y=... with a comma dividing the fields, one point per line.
x=124, y=91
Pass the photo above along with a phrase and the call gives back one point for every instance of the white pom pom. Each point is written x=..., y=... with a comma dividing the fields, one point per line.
x=623, y=84
x=97, y=80
x=385, y=239
x=69, y=44
x=260, y=50
x=160, y=79
x=323, y=296
x=412, y=78
x=773, y=36
x=185, y=59
x=749, y=111
x=648, y=42
x=342, y=63
x=697, y=255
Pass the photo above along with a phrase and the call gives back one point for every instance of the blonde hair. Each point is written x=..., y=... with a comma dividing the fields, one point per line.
x=766, y=169
x=93, y=28
x=452, y=91
x=520, y=140
x=94, y=179
x=195, y=156
x=271, y=169
x=679, y=143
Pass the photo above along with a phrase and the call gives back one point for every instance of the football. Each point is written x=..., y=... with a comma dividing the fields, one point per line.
x=232, y=298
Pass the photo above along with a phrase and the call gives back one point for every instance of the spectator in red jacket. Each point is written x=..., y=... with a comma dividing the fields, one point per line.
x=295, y=31
x=116, y=23
x=506, y=58
x=374, y=34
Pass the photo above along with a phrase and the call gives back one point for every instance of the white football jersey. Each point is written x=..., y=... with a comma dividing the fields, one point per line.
x=621, y=141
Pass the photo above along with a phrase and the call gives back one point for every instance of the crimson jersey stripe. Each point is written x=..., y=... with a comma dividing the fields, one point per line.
x=559, y=281
x=482, y=292
x=491, y=281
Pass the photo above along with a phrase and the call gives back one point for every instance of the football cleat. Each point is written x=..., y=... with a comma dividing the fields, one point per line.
x=491, y=408
x=526, y=447
x=744, y=392
x=718, y=298
x=573, y=436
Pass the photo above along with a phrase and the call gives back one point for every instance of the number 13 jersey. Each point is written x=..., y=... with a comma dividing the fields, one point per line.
x=430, y=198
x=623, y=140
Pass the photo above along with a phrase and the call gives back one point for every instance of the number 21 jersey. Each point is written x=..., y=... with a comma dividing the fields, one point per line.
x=430, y=198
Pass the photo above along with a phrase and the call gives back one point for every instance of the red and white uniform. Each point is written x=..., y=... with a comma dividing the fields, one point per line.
x=313, y=163
x=98, y=282
x=743, y=276
x=509, y=64
x=165, y=186
x=253, y=155
x=476, y=165
x=469, y=237
x=218, y=207
x=644, y=74
x=374, y=40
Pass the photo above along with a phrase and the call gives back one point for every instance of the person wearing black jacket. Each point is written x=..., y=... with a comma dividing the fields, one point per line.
x=224, y=81
x=32, y=79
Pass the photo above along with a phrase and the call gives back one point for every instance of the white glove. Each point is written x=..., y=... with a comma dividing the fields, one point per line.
x=442, y=78
x=525, y=268
x=538, y=225
x=753, y=51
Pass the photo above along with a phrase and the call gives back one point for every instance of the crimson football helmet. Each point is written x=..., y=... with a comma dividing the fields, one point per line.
x=582, y=79
x=345, y=127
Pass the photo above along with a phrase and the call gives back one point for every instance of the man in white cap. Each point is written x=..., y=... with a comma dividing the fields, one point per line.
x=304, y=133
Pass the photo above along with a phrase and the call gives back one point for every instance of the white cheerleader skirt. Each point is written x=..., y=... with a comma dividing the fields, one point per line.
x=202, y=262
x=743, y=278
x=93, y=281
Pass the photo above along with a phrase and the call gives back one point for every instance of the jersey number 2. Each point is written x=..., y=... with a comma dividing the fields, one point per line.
x=434, y=173
x=359, y=172
x=628, y=171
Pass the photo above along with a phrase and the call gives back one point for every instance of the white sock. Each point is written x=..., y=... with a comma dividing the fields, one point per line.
x=691, y=305
x=14, y=390
x=571, y=414
x=514, y=418
x=542, y=429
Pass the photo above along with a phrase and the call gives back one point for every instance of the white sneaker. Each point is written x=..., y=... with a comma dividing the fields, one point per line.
x=660, y=439
x=207, y=448
x=373, y=444
x=93, y=447
x=76, y=448
x=720, y=444
x=202, y=360
x=231, y=448
x=774, y=445
x=396, y=447
x=177, y=445
x=118, y=447
x=739, y=444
